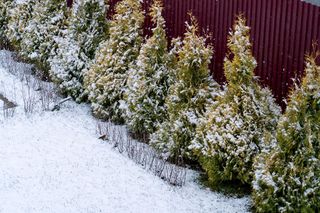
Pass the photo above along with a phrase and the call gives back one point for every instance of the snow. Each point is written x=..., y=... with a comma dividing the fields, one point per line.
x=53, y=162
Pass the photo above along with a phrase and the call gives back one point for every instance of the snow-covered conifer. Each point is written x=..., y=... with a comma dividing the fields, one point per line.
x=229, y=139
x=19, y=17
x=49, y=18
x=193, y=89
x=287, y=178
x=86, y=28
x=106, y=80
x=5, y=5
x=149, y=80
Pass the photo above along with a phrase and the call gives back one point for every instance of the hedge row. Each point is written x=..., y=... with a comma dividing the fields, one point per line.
x=235, y=131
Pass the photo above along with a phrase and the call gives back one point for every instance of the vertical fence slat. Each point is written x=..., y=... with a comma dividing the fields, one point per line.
x=318, y=33
x=299, y=36
x=218, y=70
x=225, y=31
x=292, y=66
x=269, y=49
x=303, y=38
x=220, y=37
x=283, y=37
x=310, y=30
x=275, y=52
x=258, y=30
x=249, y=12
x=262, y=29
x=314, y=23
x=265, y=76
x=203, y=7
x=254, y=28
x=285, y=50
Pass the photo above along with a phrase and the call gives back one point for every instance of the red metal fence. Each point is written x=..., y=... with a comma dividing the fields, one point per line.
x=282, y=32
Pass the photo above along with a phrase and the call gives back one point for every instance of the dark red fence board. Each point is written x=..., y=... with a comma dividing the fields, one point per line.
x=69, y=3
x=282, y=33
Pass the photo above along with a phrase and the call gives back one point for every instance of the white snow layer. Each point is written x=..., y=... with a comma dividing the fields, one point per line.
x=53, y=162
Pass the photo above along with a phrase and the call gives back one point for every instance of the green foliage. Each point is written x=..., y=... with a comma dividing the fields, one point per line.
x=193, y=89
x=287, y=176
x=230, y=137
x=149, y=80
x=19, y=17
x=86, y=28
x=48, y=20
x=106, y=81
x=5, y=5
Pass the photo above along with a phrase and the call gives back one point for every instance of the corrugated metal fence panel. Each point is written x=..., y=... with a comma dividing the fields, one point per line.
x=282, y=32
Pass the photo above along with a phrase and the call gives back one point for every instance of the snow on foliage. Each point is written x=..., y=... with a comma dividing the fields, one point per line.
x=49, y=18
x=230, y=137
x=19, y=17
x=287, y=178
x=193, y=89
x=106, y=80
x=86, y=28
x=5, y=5
x=149, y=80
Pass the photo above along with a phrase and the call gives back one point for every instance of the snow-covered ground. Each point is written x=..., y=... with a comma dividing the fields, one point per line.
x=53, y=162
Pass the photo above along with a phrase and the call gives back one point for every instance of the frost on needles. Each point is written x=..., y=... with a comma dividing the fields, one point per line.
x=287, y=177
x=230, y=137
x=193, y=89
x=149, y=79
x=19, y=17
x=106, y=81
x=47, y=21
x=86, y=28
x=4, y=18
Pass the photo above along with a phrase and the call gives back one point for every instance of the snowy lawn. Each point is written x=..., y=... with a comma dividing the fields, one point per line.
x=53, y=162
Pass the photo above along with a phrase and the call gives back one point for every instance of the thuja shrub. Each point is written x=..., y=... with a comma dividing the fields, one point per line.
x=230, y=137
x=287, y=177
x=47, y=22
x=19, y=16
x=106, y=80
x=193, y=89
x=77, y=44
x=149, y=79
x=5, y=5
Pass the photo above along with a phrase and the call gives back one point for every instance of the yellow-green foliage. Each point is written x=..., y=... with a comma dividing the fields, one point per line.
x=18, y=20
x=193, y=89
x=5, y=5
x=230, y=137
x=106, y=80
x=287, y=178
